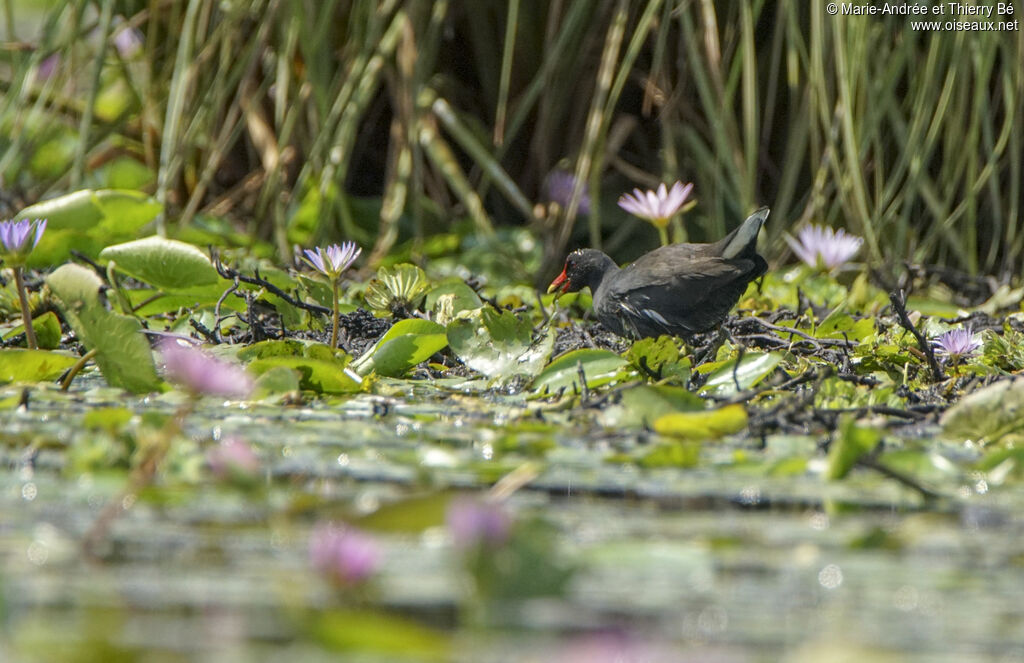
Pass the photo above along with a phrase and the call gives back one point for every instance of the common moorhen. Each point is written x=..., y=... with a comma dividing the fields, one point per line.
x=678, y=289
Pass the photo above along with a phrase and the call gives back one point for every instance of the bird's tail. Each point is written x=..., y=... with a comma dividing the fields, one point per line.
x=744, y=238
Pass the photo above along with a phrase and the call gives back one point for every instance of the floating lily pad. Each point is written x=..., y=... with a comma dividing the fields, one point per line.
x=660, y=357
x=406, y=344
x=499, y=345
x=87, y=221
x=122, y=353
x=164, y=263
x=384, y=634
x=19, y=365
x=319, y=375
x=704, y=425
x=47, y=329
x=644, y=404
x=753, y=367
x=852, y=443
x=599, y=366
x=987, y=415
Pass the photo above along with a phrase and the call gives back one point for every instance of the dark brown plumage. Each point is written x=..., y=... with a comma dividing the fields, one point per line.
x=679, y=289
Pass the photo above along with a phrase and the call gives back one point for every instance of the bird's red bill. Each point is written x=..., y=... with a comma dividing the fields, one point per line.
x=561, y=284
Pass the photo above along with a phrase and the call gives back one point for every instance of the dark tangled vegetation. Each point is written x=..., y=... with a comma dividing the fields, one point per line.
x=425, y=457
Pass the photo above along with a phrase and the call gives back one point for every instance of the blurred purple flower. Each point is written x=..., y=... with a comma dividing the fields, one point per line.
x=346, y=555
x=233, y=458
x=128, y=41
x=656, y=206
x=957, y=343
x=475, y=523
x=820, y=246
x=47, y=67
x=200, y=373
x=18, y=238
x=334, y=260
x=559, y=185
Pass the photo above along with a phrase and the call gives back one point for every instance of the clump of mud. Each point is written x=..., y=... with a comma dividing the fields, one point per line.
x=588, y=335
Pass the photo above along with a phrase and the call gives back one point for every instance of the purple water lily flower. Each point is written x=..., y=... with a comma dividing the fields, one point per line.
x=656, y=206
x=19, y=238
x=346, y=555
x=475, y=523
x=559, y=185
x=334, y=260
x=957, y=343
x=201, y=374
x=821, y=246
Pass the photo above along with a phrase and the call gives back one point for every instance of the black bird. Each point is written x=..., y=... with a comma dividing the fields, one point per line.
x=679, y=289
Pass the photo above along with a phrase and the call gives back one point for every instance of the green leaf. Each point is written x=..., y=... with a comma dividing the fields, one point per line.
x=643, y=404
x=125, y=212
x=319, y=375
x=660, y=356
x=397, y=289
x=277, y=380
x=122, y=353
x=463, y=297
x=988, y=414
x=87, y=221
x=406, y=344
x=753, y=368
x=599, y=366
x=47, y=329
x=274, y=348
x=109, y=419
x=673, y=453
x=74, y=211
x=499, y=345
x=708, y=424
x=164, y=263
x=370, y=632
x=411, y=515
x=18, y=365
x=1003, y=464
x=852, y=444
x=76, y=285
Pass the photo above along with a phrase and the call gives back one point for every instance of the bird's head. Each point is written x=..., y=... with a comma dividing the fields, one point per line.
x=583, y=267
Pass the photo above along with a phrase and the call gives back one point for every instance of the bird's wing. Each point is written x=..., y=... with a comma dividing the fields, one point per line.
x=668, y=298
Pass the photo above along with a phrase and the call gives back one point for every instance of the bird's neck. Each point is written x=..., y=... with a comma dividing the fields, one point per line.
x=603, y=269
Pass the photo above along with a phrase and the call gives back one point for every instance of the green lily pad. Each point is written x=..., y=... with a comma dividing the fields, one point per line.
x=84, y=210
x=599, y=366
x=644, y=404
x=387, y=635
x=853, y=443
x=406, y=344
x=752, y=368
x=660, y=356
x=499, y=345
x=47, y=329
x=87, y=221
x=463, y=297
x=19, y=365
x=704, y=425
x=319, y=375
x=122, y=353
x=988, y=414
x=164, y=263
x=277, y=380
x=672, y=453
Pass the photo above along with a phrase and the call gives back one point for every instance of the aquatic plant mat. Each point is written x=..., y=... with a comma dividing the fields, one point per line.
x=775, y=490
